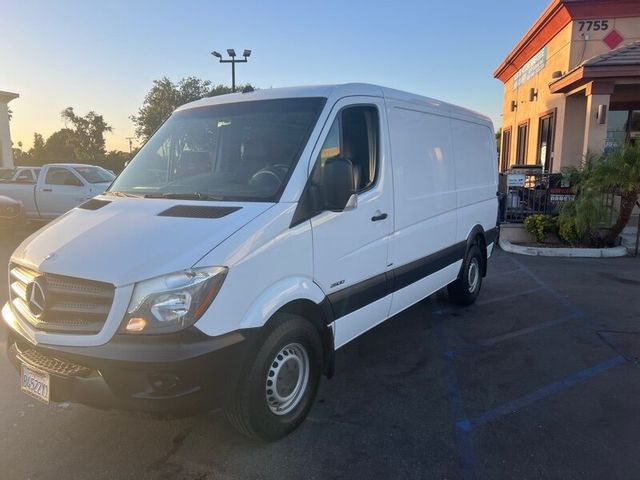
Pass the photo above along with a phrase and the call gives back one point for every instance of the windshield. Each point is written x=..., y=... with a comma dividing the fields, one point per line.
x=243, y=151
x=95, y=174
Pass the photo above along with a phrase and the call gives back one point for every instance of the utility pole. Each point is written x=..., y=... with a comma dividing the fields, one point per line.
x=232, y=60
x=130, y=143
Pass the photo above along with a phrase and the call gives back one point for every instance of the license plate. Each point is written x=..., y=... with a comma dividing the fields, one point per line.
x=35, y=383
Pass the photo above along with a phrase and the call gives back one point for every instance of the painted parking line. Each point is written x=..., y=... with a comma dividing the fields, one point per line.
x=504, y=274
x=467, y=425
x=544, y=285
x=464, y=443
x=509, y=296
x=575, y=315
x=445, y=311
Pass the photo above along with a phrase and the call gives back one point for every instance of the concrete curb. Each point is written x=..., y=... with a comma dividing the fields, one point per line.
x=614, y=252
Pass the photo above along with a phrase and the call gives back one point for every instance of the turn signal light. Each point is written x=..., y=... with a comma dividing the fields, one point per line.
x=136, y=324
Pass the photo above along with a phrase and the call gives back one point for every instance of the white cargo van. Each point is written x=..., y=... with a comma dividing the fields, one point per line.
x=252, y=236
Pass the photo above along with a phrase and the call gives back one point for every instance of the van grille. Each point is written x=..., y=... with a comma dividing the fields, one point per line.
x=58, y=303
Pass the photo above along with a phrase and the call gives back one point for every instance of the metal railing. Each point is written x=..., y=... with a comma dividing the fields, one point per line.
x=534, y=192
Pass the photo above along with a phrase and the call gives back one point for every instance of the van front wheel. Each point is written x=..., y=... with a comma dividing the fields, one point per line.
x=280, y=385
x=466, y=288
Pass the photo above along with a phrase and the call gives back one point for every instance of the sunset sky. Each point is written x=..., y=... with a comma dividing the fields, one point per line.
x=104, y=57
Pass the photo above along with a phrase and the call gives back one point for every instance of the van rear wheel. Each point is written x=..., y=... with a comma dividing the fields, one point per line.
x=280, y=385
x=466, y=288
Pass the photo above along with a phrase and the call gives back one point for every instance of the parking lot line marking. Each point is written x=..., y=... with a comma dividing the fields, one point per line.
x=508, y=272
x=467, y=425
x=464, y=442
x=533, y=328
x=511, y=295
x=552, y=291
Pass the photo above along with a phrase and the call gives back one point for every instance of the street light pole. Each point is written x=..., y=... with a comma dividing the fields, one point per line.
x=232, y=60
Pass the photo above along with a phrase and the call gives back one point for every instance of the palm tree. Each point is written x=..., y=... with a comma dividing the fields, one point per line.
x=620, y=170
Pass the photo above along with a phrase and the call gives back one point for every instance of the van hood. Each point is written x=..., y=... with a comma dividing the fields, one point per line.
x=131, y=239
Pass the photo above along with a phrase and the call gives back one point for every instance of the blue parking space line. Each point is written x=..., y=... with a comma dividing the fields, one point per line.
x=464, y=443
x=504, y=274
x=466, y=425
x=552, y=291
x=574, y=315
x=509, y=296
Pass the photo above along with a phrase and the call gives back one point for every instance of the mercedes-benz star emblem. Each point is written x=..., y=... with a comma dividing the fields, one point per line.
x=36, y=299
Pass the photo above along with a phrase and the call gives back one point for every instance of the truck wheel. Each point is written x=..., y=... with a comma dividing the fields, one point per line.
x=280, y=385
x=466, y=288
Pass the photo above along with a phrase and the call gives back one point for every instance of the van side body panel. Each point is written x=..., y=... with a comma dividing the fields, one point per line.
x=424, y=196
x=476, y=173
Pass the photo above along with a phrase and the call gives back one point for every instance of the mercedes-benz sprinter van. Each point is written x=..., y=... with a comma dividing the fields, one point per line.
x=252, y=236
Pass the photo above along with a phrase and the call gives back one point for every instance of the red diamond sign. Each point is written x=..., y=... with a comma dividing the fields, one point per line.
x=613, y=39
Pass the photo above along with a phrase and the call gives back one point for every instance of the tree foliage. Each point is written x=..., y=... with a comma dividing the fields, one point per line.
x=165, y=96
x=88, y=135
x=616, y=172
x=82, y=141
x=619, y=170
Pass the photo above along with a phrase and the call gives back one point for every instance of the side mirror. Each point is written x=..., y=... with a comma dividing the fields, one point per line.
x=338, y=185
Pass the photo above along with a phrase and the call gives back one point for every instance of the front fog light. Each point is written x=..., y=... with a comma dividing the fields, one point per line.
x=172, y=302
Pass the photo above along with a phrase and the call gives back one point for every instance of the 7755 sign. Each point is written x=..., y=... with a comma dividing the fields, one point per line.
x=593, y=25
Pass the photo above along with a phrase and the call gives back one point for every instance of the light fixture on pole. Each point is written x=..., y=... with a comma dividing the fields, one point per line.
x=232, y=60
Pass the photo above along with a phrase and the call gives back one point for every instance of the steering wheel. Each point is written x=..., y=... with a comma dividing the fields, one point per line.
x=277, y=171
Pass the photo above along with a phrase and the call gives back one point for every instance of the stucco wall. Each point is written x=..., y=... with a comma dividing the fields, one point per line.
x=558, y=53
x=567, y=50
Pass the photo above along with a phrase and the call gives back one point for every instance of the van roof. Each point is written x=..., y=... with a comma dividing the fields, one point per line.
x=335, y=92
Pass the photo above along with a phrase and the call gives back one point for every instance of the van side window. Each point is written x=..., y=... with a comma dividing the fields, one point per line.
x=62, y=176
x=353, y=136
x=360, y=144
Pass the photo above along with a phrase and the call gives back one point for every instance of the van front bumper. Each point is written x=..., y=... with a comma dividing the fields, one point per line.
x=178, y=374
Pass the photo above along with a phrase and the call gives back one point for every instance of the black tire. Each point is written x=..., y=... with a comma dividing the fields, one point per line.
x=249, y=411
x=461, y=291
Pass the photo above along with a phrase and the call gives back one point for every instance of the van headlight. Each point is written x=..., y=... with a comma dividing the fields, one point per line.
x=172, y=302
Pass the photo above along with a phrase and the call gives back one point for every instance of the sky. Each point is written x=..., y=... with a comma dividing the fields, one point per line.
x=104, y=56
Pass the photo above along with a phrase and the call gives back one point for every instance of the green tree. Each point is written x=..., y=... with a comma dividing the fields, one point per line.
x=20, y=157
x=61, y=147
x=88, y=139
x=116, y=159
x=620, y=170
x=37, y=152
x=165, y=96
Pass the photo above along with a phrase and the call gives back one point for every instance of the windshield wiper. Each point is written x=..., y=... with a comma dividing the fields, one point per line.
x=122, y=194
x=185, y=196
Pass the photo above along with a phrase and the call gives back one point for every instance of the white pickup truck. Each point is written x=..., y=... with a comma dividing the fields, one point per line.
x=19, y=174
x=59, y=188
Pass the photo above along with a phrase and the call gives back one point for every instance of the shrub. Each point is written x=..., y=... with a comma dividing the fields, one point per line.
x=567, y=230
x=539, y=226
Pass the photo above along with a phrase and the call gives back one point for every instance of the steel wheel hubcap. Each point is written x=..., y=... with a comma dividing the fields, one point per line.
x=473, y=277
x=287, y=379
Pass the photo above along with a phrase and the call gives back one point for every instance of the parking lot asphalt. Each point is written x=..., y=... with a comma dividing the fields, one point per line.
x=538, y=379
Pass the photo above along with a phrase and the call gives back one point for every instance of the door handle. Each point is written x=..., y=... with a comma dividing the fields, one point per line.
x=379, y=216
x=47, y=190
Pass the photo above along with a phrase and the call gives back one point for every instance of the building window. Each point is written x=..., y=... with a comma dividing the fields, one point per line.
x=622, y=126
x=505, y=150
x=523, y=138
x=546, y=128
